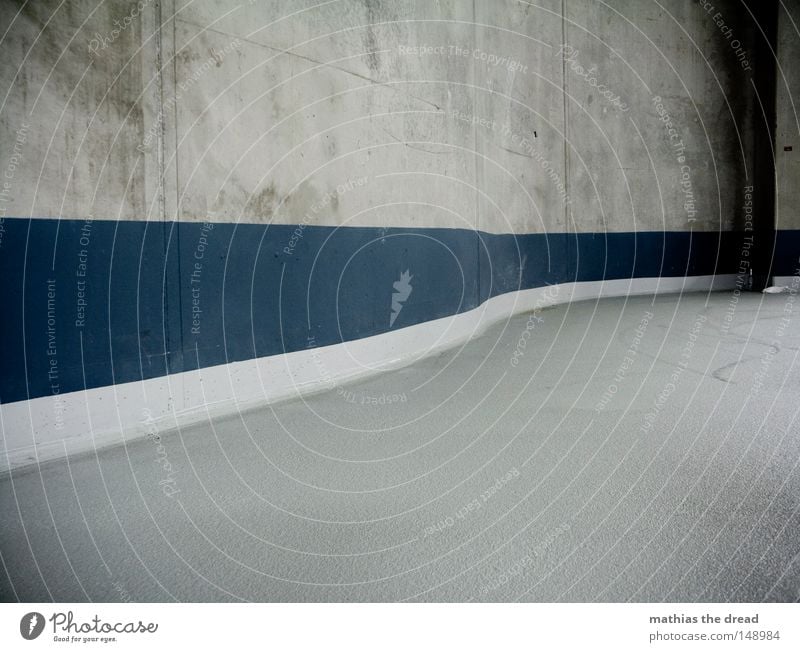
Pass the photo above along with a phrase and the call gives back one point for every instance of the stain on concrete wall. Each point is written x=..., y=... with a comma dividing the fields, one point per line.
x=507, y=117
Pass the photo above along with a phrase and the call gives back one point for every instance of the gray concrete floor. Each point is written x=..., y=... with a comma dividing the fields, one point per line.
x=483, y=481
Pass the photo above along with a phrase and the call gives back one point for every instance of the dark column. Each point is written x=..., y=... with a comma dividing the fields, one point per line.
x=765, y=70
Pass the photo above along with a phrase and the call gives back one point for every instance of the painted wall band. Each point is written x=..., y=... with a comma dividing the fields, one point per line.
x=94, y=303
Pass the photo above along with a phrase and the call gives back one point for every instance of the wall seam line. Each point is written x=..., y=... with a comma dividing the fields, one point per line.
x=564, y=99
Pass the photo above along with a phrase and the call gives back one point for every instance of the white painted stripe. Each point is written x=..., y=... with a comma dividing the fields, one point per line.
x=107, y=416
x=784, y=281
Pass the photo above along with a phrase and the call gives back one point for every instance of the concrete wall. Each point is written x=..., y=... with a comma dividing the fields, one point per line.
x=78, y=116
x=261, y=110
x=787, y=135
x=787, y=142
x=219, y=189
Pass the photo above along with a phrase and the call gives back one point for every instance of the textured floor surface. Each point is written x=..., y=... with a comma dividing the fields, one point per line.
x=639, y=449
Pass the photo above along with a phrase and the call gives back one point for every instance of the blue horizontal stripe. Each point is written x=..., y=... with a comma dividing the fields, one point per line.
x=90, y=304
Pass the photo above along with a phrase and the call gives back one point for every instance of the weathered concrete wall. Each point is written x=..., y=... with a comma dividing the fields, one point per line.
x=627, y=170
x=787, y=146
x=787, y=135
x=259, y=112
x=81, y=112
